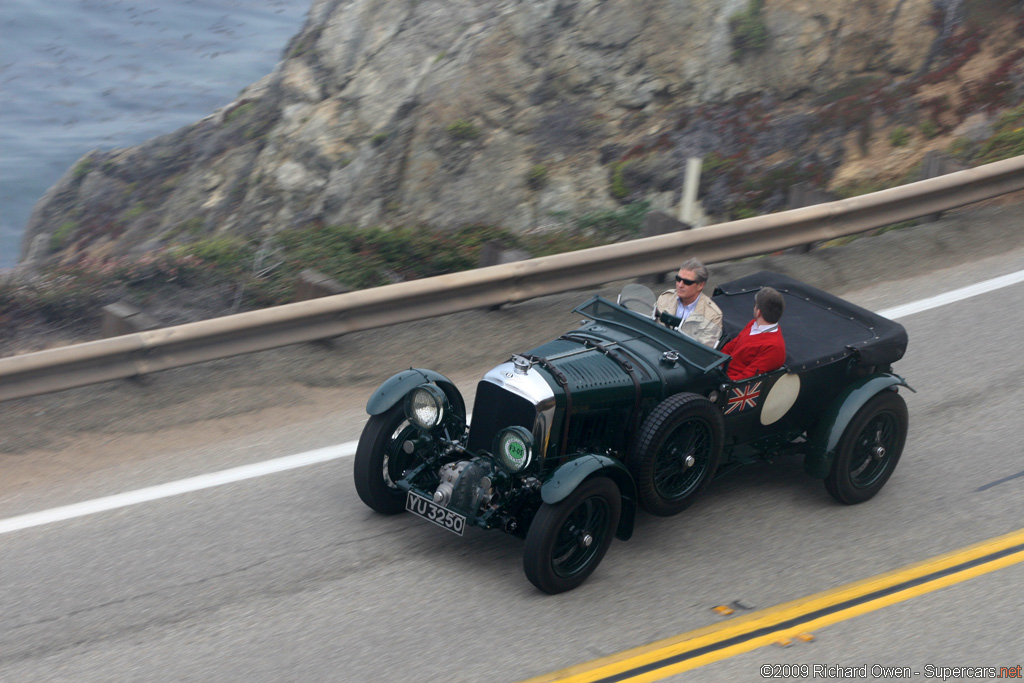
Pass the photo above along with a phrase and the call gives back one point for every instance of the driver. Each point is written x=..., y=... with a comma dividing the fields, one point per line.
x=700, y=318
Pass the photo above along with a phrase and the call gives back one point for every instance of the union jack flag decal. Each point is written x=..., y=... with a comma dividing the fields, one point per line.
x=743, y=398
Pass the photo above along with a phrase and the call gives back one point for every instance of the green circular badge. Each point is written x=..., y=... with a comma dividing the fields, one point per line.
x=516, y=450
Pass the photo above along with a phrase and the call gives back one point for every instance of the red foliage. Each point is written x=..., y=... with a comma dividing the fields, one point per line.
x=635, y=152
x=962, y=45
x=992, y=92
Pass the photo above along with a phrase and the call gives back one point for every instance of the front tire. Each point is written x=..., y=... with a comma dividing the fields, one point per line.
x=380, y=460
x=869, y=449
x=677, y=453
x=567, y=540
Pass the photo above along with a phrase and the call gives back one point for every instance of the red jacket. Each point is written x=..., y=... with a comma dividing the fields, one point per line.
x=754, y=354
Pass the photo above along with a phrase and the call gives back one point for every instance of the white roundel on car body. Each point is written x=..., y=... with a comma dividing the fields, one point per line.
x=780, y=399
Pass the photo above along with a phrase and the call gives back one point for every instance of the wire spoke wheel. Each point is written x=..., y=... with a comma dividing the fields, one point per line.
x=580, y=537
x=876, y=441
x=869, y=449
x=683, y=459
x=676, y=453
x=567, y=540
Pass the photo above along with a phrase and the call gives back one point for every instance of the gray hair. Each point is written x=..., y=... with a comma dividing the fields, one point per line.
x=698, y=268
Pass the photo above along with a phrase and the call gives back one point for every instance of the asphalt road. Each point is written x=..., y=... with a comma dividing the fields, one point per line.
x=288, y=577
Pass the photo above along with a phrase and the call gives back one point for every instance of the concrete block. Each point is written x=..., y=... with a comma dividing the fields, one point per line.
x=658, y=223
x=493, y=253
x=313, y=284
x=123, y=318
x=801, y=195
x=934, y=164
x=804, y=194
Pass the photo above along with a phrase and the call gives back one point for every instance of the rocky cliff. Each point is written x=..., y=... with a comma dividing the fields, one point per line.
x=516, y=113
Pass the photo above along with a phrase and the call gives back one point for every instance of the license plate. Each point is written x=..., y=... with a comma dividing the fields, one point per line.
x=432, y=512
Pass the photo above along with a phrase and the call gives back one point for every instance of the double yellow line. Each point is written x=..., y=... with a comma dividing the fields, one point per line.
x=671, y=656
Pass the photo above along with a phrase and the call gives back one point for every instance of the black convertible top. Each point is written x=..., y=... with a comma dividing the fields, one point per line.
x=818, y=327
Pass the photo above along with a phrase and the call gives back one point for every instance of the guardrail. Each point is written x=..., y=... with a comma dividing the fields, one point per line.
x=146, y=352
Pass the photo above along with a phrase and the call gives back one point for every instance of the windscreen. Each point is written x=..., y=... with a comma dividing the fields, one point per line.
x=639, y=299
x=690, y=350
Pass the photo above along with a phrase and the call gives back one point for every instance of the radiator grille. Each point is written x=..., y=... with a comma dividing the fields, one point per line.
x=494, y=409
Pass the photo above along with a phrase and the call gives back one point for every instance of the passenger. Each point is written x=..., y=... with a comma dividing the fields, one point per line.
x=700, y=317
x=759, y=347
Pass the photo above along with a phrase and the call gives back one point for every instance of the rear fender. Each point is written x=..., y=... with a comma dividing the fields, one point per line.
x=566, y=478
x=397, y=386
x=825, y=437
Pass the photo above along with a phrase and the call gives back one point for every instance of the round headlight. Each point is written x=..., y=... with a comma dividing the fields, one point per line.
x=425, y=406
x=514, y=448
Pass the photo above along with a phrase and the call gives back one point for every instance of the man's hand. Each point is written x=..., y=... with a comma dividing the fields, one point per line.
x=670, y=320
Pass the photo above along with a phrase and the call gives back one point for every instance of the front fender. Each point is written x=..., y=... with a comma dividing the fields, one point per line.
x=397, y=386
x=825, y=437
x=566, y=478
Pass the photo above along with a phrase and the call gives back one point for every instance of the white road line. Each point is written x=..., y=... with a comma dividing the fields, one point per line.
x=955, y=295
x=290, y=462
x=174, y=488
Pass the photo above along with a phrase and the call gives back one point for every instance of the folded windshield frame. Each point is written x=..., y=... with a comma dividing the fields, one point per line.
x=704, y=358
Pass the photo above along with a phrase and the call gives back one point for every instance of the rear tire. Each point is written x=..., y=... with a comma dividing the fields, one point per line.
x=869, y=449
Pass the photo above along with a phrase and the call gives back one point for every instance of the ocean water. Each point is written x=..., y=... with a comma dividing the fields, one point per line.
x=78, y=75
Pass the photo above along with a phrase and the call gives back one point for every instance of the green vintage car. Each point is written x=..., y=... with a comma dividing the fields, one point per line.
x=568, y=438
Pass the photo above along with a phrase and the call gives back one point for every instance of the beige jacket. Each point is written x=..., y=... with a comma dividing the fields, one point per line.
x=704, y=324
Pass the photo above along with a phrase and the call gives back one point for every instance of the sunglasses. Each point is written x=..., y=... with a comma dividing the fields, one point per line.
x=685, y=281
